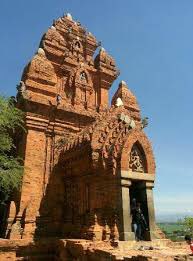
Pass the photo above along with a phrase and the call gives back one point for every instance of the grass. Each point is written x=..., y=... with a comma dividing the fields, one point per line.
x=174, y=231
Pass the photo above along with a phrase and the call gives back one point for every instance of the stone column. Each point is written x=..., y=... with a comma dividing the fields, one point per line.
x=126, y=233
x=151, y=211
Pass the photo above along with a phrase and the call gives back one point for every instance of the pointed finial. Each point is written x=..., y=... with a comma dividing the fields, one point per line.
x=123, y=82
x=68, y=16
x=102, y=49
x=119, y=102
x=53, y=27
x=41, y=51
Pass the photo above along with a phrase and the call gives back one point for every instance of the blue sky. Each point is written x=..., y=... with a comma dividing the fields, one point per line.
x=152, y=43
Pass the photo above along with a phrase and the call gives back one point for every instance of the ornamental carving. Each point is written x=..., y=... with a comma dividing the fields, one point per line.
x=76, y=47
x=80, y=86
x=137, y=159
x=72, y=196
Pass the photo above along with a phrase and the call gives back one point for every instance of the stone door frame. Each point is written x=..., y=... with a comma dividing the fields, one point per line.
x=127, y=177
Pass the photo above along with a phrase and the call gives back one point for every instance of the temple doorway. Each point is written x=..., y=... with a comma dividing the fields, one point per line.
x=138, y=192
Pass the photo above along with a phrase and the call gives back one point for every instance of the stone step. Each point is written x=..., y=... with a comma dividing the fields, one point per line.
x=36, y=258
x=157, y=243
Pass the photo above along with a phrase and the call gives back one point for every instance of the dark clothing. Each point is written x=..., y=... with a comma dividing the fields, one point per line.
x=138, y=217
x=139, y=223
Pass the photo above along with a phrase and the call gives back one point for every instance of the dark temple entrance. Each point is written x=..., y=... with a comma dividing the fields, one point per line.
x=138, y=191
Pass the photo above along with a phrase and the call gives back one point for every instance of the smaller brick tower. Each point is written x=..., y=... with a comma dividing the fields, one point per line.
x=84, y=162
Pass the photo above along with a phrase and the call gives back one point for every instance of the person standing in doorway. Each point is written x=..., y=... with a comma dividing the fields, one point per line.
x=138, y=221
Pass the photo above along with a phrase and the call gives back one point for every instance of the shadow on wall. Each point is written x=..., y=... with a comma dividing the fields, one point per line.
x=66, y=212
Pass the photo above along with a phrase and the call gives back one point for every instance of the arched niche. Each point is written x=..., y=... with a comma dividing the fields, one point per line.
x=137, y=159
x=83, y=88
x=83, y=77
x=76, y=47
x=79, y=86
x=138, y=139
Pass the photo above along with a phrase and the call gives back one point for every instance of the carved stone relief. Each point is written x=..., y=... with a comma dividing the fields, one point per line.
x=76, y=47
x=137, y=159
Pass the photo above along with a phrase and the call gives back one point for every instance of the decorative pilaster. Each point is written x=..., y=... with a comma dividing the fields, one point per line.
x=48, y=161
x=150, y=206
x=126, y=233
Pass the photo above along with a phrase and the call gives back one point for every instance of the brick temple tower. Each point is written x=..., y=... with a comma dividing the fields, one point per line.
x=84, y=161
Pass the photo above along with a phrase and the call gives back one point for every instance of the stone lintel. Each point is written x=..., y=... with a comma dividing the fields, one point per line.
x=137, y=175
x=125, y=183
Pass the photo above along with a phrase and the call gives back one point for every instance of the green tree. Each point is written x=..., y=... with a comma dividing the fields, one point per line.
x=188, y=223
x=11, y=119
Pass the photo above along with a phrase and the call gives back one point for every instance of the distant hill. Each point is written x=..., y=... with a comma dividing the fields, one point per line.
x=172, y=217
